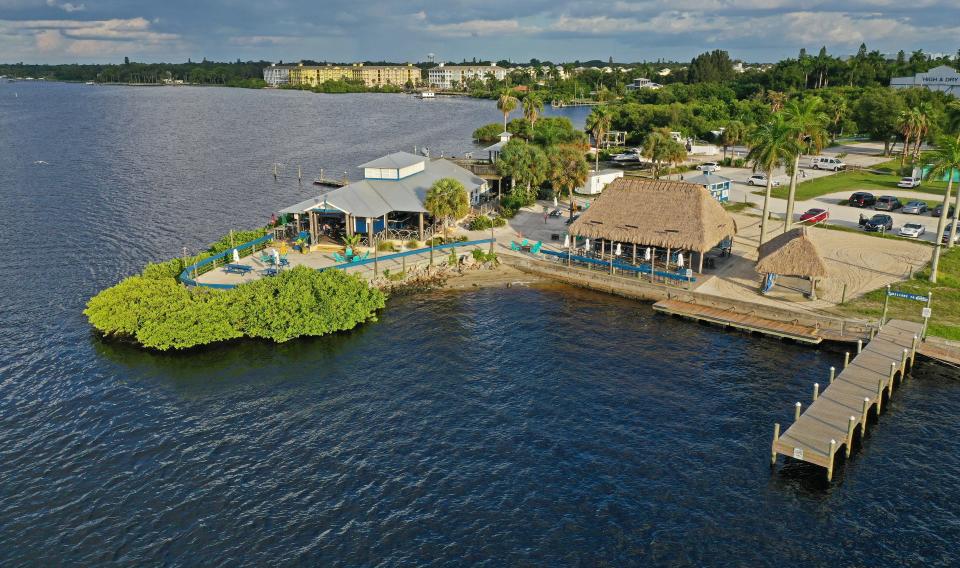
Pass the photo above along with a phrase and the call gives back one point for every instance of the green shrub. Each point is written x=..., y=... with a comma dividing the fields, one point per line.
x=480, y=223
x=160, y=313
x=499, y=221
x=488, y=132
x=484, y=256
x=412, y=244
x=386, y=247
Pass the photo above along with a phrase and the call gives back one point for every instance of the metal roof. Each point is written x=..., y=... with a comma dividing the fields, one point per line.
x=396, y=160
x=706, y=179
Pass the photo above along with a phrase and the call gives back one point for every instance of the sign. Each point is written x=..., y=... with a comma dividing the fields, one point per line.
x=688, y=273
x=926, y=312
x=907, y=296
x=798, y=453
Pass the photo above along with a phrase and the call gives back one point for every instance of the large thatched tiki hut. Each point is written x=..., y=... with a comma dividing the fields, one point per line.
x=793, y=254
x=671, y=215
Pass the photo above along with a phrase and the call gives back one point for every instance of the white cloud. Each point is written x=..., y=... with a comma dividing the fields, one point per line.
x=84, y=38
x=67, y=6
x=477, y=28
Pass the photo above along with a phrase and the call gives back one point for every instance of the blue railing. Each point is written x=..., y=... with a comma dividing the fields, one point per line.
x=195, y=268
x=371, y=259
x=643, y=269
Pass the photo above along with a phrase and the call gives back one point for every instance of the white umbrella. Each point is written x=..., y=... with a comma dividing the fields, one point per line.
x=236, y=256
x=566, y=241
x=554, y=200
x=680, y=260
x=619, y=250
x=276, y=258
x=586, y=245
x=646, y=254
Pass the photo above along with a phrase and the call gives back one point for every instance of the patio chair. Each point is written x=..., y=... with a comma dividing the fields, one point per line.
x=365, y=256
x=265, y=257
x=535, y=249
x=514, y=246
x=348, y=252
x=524, y=243
x=284, y=261
x=339, y=257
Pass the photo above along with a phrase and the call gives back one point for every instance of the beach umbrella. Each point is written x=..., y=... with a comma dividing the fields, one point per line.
x=646, y=254
x=586, y=245
x=236, y=256
x=276, y=258
x=566, y=241
x=619, y=250
x=680, y=260
x=555, y=201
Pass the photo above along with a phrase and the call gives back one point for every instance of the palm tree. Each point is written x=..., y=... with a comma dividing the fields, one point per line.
x=838, y=110
x=506, y=104
x=525, y=164
x=447, y=200
x=598, y=123
x=568, y=169
x=924, y=117
x=946, y=161
x=660, y=148
x=733, y=134
x=809, y=122
x=776, y=99
x=906, y=125
x=532, y=107
x=953, y=117
x=772, y=144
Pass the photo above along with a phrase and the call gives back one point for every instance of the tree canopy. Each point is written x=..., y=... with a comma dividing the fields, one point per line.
x=447, y=200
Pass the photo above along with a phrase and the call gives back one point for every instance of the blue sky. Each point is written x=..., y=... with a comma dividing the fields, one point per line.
x=558, y=30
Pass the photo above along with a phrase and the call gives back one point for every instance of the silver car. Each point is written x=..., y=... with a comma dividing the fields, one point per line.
x=914, y=230
x=915, y=207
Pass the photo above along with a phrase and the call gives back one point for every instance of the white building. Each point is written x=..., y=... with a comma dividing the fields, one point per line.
x=943, y=78
x=455, y=76
x=598, y=181
x=643, y=83
x=276, y=75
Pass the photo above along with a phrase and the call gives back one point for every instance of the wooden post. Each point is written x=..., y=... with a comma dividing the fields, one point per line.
x=866, y=409
x=913, y=353
x=846, y=359
x=859, y=346
x=833, y=448
x=816, y=391
x=903, y=364
x=843, y=296
x=833, y=374
x=667, y=267
x=886, y=303
x=773, y=447
x=376, y=255
x=421, y=227
x=634, y=254
x=796, y=411
x=879, y=397
x=700, y=270
x=923, y=331
x=893, y=371
x=873, y=332
x=851, y=424
x=603, y=245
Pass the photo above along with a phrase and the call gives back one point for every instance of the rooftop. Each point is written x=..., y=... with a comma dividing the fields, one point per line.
x=398, y=160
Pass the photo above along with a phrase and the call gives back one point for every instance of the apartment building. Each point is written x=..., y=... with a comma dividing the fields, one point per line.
x=371, y=76
x=276, y=75
x=456, y=76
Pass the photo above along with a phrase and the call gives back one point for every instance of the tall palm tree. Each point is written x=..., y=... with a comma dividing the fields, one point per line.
x=772, y=144
x=906, y=125
x=945, y=161
x=924, y=118
x=568, y=169
x=733, y=134
x=506, y=104
x=953, y=117
x=809, y=122
x=532, y=107
x=598, y=123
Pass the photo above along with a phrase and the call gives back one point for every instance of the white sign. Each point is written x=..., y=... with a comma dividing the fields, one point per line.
x=798, y=453
x=926, y=312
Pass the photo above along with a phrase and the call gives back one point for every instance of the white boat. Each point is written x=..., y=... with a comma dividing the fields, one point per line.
x=89, y=83
x=426, y=95
x=632, y=155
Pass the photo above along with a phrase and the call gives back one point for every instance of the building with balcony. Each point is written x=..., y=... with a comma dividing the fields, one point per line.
x=276, y=75
x=456, y=76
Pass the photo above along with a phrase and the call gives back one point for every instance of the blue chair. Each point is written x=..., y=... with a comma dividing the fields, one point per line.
x=535, y=249
x=338, y=257
x=514, y=246
x=348, y=253
x=524, y=243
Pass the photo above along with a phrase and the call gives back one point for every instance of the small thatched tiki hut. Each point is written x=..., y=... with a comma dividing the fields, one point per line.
x=793, y=254
x=671, y=215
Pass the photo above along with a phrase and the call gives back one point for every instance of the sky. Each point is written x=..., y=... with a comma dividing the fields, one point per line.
x=100, y=31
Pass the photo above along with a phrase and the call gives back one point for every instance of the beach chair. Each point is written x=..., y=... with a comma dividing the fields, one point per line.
x=514, y=246
x=535, y=249
x=339, y=257
x=524, y=243
x=348, y=253
x=365, y=256
x=284, y=261
x=266, y=257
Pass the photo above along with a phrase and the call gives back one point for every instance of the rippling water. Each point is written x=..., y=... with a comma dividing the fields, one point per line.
x=540, y=426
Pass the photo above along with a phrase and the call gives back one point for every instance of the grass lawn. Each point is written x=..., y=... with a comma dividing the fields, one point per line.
x=945, y=321
x=739, y=206
x=876, y=183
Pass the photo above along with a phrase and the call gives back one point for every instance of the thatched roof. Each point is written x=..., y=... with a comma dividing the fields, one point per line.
x=674, y=214
x=792, y=254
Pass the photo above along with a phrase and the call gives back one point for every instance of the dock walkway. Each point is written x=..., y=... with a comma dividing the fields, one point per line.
x=840, y=413
x=746, y=322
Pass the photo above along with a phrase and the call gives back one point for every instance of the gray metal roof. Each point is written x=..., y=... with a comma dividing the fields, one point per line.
x=706, y=179
x=374, y=197
x=395, y=160
x=605, y=172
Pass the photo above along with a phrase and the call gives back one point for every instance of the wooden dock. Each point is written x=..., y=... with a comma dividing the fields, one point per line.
x=839, y=414
x=746, y=322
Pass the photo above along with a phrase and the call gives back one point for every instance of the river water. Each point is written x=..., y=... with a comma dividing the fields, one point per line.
x=529, y=426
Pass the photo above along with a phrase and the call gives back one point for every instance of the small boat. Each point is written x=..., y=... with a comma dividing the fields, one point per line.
x=426, y=95
x=89, y=83
x=632, y=155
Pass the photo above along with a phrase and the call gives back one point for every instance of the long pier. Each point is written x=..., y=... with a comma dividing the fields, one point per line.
x=840, y=413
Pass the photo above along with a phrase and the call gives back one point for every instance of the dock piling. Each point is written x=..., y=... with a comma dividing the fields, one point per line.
x=859, y=346
x=816, y=391
x=833, y=374
x=866, y=410
x=796, y=411
x=903, y=364
x=833, y=449
x=913, y=355
x=879, y=397
x=846, y=359
x=893, y=371
x=776, y=438
x=851, y=425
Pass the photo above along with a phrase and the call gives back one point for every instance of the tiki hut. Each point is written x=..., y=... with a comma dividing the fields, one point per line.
x=672, y=215
x=792, y=254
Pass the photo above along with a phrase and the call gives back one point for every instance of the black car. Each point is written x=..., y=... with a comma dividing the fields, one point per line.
x=887, y=203
x=939, y=209
x=571, y=220
x=861, y=199
x=879, y=222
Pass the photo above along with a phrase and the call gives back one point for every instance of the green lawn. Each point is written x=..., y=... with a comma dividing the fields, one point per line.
x=946, y=299
x=876, y=183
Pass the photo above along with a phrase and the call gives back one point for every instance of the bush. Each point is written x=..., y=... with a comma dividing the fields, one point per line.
x=480, y=223
x=483, y=256
x=499, y=221
x=386, y=246
x=488, y=132
x=412, y=244
x=160, y=313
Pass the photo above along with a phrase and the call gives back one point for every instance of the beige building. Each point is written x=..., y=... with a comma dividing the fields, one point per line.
x=371, y=76
x=456, y=76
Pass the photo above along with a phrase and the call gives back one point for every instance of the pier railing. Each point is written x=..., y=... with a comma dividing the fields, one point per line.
x=413, y=252
x=192, y=272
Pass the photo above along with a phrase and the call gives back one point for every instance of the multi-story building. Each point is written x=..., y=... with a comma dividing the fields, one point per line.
x=276, y=75
x=457, y=76
x=371, y=76
x=943, y=78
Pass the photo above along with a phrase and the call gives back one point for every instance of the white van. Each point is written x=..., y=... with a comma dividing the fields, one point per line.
x=825, y=163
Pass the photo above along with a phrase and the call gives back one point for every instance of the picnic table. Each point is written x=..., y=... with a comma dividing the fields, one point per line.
x=241, y=269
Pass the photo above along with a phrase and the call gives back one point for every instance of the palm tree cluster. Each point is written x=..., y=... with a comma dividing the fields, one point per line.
x=914, y=125
x=660, y=148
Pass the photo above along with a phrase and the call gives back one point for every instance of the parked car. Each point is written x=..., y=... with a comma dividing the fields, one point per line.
x=571, y=220
x=946, y=235
x=915, y=207
x=939, y=209
x=825, y=163
x=761, y=179
x=908, y=182
x=879, y=222
x=815, y=215
x=887, y=203
x=914, y=230
x=709, y=167
x=861, y=199
x=557, y=212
